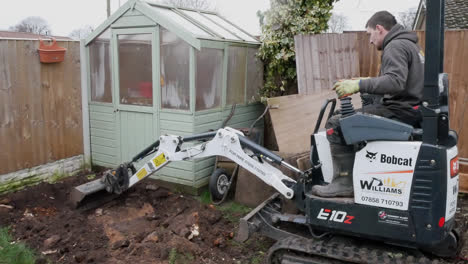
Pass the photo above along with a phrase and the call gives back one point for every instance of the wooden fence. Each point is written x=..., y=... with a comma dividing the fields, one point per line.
x=40, y=105
x=345, y=52
x=323, y=59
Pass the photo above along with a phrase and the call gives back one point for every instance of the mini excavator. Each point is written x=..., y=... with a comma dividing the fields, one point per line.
x=405, y=180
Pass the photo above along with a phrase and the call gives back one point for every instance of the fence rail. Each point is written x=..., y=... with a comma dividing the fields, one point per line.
x=315, y=74
x=40, y=105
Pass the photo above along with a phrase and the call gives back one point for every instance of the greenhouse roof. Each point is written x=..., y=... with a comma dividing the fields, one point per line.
x=192, y=24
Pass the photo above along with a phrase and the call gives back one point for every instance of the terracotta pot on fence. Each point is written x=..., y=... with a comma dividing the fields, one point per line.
x=51, y=53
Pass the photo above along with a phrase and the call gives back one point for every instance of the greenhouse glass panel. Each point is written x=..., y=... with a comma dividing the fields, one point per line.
x=182, y=22
x=209, y=78
x=254, y=75
x=236, y=75
x=175, y=71
x=100, y=68
x=135, y=69
x=210, y=25
x=231, y=28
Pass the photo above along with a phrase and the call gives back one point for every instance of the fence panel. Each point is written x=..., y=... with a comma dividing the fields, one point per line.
x=40, y=105
x=323, y=59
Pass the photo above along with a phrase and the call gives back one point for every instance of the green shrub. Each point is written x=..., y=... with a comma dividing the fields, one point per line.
x=284, y=20
x=12, y=252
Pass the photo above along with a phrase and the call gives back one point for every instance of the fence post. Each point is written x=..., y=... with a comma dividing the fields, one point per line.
x=84, y=104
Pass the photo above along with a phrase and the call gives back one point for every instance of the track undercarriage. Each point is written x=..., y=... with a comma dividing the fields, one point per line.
x=299, y=243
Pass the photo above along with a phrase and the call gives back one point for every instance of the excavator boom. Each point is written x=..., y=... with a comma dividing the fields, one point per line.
x=225, y=142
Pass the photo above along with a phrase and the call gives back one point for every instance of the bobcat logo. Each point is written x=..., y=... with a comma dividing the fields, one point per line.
x=371, y=156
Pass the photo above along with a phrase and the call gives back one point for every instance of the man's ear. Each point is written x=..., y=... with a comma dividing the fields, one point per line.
x=379, y=28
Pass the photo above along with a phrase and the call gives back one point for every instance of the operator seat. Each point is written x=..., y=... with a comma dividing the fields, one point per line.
x=361, y=127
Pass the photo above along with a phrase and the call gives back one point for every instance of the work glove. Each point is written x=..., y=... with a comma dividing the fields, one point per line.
x=347, y=87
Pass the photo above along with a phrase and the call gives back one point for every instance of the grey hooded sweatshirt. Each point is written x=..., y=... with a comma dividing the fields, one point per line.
x=401, y=78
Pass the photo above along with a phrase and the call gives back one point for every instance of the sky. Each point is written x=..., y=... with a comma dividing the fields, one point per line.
x=64, y=16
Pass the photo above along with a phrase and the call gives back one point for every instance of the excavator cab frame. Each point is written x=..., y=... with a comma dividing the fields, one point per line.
x=427, y=222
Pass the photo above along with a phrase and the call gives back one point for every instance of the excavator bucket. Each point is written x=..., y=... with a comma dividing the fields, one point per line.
x=95, y=193
x=79, y=193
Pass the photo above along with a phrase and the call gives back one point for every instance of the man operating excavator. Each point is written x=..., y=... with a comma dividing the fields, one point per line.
x=395, y=94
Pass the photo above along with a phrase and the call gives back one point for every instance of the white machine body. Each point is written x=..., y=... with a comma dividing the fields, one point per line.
x=383, y=173
x=323, y=150
x=452, y=183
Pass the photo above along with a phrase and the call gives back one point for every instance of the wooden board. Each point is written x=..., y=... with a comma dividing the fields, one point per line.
x=463, y=174
x=464, y=182
x=251, y=191
x=294, y=117
x=463, y=167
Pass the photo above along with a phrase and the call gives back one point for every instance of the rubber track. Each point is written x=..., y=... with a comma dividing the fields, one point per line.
x=345, y=250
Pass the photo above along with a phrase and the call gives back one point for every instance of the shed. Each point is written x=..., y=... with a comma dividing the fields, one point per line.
x=154, y=70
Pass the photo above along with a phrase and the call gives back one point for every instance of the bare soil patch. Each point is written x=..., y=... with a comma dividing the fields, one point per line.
x=148, y=224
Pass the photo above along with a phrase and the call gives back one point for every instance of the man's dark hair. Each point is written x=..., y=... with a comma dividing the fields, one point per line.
x=383, y=18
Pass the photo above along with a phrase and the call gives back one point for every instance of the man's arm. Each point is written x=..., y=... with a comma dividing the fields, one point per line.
x=394, y=73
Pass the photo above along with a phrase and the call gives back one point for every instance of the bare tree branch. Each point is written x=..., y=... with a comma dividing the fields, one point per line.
x=337, y=23
x=406, y=19
x=32, y=24
x=81, y=33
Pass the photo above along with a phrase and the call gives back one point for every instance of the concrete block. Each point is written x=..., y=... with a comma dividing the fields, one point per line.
x=42, y=172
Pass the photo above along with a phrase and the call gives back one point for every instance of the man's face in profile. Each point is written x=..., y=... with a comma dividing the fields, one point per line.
x=376, y=36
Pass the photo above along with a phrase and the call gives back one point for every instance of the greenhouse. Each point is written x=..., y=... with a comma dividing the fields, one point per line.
x=203, y=64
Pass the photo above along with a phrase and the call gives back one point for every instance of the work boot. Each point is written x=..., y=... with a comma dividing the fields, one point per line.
x=342, y=182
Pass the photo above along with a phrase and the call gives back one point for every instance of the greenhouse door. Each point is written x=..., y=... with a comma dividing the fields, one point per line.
x=135, y=90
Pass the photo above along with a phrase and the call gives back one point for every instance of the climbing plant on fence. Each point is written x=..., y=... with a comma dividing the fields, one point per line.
x=284, y=20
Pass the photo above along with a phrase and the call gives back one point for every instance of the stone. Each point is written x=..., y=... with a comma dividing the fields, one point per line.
x=152, y=217
x=5, y=201
x=51, y=241
x=153, y=237
x=99, y=212
x=182, y=223
x=120, y=244
x=151, y=187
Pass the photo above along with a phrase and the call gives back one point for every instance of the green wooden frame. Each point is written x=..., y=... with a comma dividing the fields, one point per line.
x=147, y=10
x=161, y=20
x=88, y=74
x=154, y=109
x=116, y=82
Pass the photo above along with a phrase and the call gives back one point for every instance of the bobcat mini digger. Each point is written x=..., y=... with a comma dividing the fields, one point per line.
x=405, y=181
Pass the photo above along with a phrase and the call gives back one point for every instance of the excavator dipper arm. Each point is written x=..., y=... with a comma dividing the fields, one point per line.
x=225, y=142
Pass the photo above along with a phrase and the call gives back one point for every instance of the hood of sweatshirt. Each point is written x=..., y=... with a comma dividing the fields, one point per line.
x=398, y=32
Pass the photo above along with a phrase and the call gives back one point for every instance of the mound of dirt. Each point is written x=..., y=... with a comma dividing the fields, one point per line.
x=148, y=224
